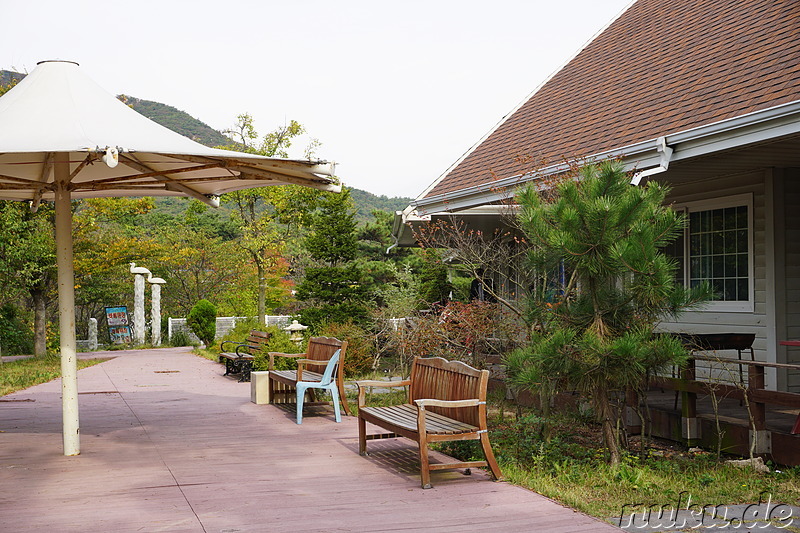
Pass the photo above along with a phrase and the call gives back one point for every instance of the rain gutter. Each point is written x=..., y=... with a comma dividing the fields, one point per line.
x=759, y=126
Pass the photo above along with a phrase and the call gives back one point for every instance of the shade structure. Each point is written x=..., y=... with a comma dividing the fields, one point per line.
x=64, y=137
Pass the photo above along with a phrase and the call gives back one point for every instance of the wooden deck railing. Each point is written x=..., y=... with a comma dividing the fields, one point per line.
x=752, y=391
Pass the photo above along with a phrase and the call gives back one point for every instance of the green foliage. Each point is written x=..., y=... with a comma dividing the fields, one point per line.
x=595, y=333
x=333, y=239
x=367, y=204
x=435, y=286
x=333, y=289
x=15, y=335
x=18, y=375
x=360, y=355
x=180, y=338
x=176, y=120
x=202, y=320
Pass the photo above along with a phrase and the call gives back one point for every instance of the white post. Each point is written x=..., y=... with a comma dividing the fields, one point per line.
x=138, y=309
x=66, y=307
x=155, y=310
x=92, y=334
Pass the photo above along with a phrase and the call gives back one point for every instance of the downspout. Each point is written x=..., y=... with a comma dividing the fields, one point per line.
x=666, y=155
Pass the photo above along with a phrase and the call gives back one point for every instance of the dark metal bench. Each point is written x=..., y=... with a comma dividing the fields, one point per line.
x=240, y=361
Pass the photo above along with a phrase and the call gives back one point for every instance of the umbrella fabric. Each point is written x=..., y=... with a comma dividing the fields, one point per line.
x=56, y=108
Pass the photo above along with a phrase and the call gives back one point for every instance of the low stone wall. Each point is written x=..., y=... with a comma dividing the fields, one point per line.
x=224, y=325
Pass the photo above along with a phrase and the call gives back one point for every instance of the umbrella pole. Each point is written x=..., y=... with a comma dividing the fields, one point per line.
x=66, y=306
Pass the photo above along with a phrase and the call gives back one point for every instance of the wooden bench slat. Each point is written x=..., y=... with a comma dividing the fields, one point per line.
x=406, y=416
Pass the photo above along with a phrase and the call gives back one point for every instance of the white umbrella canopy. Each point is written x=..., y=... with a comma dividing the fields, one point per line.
x=64, y=137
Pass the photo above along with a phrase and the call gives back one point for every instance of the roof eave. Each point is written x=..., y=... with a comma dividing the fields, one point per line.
x=759, y=126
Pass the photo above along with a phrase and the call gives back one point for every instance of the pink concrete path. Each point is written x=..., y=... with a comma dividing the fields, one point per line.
x=169, y=444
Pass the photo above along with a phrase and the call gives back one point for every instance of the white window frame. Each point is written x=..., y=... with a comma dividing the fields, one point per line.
x=740, y=306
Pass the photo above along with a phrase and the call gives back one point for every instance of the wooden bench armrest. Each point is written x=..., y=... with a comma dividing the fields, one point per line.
x=362, y=387
x=316, y=362
x=430, y=402
x=272, y=356
x=301, y=363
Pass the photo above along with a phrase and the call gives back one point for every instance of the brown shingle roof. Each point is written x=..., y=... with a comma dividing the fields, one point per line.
x=662, y=67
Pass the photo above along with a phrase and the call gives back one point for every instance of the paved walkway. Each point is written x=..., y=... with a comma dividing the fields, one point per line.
x=169, y=444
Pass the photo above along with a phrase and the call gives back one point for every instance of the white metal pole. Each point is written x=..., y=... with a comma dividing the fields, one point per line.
x=66, y=307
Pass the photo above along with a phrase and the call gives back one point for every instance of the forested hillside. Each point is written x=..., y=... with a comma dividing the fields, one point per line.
x=177, y=120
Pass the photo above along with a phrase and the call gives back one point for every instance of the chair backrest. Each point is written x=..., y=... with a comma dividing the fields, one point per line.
x=323, y=348
x=327, y=376
x=256, y=341
x=440, y=379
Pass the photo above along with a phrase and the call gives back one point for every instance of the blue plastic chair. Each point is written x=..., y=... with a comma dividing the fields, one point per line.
x=327, y=383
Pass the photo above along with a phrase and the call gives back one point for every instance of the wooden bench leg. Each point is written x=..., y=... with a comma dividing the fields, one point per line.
x=489, y=454
x=270, y=389
x=362, y=436
x=424, y=463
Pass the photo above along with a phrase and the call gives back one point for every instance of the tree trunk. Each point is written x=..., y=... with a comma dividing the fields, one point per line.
x=39, y=322
x=262, y=294
x=606, y=414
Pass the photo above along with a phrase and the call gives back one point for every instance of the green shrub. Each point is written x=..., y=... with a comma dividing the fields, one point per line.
x=279, y=341
x=15, y=336
x=202, y=320
x=360, y=353
x=180, y=338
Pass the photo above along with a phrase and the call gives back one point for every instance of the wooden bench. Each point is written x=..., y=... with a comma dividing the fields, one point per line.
x=446, y=402
x=240, y=361
x=281, y=386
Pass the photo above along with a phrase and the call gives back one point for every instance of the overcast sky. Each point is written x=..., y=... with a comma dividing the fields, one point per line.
x=395, y=91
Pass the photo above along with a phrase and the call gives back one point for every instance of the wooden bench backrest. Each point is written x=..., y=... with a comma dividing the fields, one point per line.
x=322, y=348
x=255, y=341
x=440, y=379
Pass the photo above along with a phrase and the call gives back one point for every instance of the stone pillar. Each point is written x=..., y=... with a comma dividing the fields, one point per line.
x=155, y=310
x=138, y=309
x=92, y=334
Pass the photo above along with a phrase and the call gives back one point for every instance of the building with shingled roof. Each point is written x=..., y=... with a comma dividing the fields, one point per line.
x=703, y=95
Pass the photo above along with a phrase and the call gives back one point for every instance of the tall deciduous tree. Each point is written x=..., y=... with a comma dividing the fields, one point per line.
x=27, y=257
x=269, y=216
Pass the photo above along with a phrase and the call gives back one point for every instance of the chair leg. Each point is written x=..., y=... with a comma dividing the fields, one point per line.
x=335, y=398
x=301, y=392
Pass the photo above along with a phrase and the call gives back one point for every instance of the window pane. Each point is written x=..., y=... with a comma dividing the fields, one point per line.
x=718, y=251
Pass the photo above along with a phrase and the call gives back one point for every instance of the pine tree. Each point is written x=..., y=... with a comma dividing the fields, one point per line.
x=595, y=333
x=333, y=287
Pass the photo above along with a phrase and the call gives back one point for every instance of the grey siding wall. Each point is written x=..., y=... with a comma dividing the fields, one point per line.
x=715, y=321
x=791, y=196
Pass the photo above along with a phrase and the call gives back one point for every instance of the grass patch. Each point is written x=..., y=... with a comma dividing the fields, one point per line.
x=24, y=373
x=571, y=467
x=213, y=355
